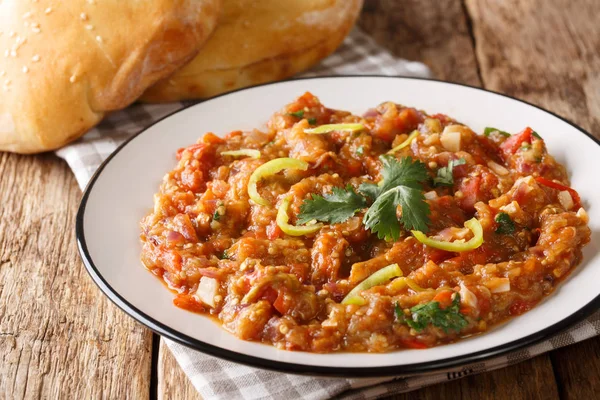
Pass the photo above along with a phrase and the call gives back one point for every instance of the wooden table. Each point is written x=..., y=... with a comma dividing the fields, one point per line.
x=61, y=338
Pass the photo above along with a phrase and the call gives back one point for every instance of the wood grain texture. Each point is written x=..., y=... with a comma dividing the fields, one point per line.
x=527, y=380
x=435, y=32
x=544, y=52
x=59, y=336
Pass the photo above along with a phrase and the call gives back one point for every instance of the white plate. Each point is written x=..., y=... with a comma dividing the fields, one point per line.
x=121, y=193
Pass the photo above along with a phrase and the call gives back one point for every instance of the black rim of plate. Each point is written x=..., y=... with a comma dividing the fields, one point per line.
x=407, y=369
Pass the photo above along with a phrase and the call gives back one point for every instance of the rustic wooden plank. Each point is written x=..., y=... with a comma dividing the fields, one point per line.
x=548, y=53
x=531, y=379
x=435, y=32
x=577, y=369
x=172, y=382
x=544, y=52
x=59, y=336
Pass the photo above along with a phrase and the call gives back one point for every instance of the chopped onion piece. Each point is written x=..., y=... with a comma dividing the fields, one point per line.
x=566, y=200
x=268, y=169
x=432, y=195
x=207, y=290
x=335, y=127
x=497, y=168
x=451, y=138
x=293, y=230
x=242, y=152
x=498, y=285
x=467, y=297
x=583, y=215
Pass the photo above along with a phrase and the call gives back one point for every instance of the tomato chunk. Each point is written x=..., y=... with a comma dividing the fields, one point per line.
x=513, y=143
x=558, y=186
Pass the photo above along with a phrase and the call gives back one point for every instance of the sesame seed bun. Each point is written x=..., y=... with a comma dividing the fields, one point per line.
x=259, y=41
x=64, y=64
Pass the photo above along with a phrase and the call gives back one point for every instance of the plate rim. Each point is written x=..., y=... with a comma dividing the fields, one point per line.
x=287, y=367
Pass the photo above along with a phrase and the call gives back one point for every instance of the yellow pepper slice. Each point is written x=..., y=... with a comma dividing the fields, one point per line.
x=408, y=141
x=375, y=279
x=268, y=169
x=242, y=152
x=335, y=127
x=458, y=245
x=292, y=230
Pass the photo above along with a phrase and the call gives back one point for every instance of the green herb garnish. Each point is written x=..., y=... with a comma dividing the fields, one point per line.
x=360, y=151
x=431, y=313
x=335, y=207
x=401, y=186
x=297, y=114
x=312, y=121
x=535, y=134
x=445, y=176
x=505, y=224
x=487, y=131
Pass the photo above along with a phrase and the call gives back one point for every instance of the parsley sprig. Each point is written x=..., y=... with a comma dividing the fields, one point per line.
x=445, y=176
x=334, y=208
x=401, y=186
x=505, y=224
x=431, y=313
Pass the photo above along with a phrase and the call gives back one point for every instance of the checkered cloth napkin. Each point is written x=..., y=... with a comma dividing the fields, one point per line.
x=219, y=379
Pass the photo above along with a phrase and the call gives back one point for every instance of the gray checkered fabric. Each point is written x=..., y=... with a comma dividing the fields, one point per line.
x=219, y=379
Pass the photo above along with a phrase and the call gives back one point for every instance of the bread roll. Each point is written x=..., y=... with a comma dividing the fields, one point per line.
x=259, y=41
x=64, y=64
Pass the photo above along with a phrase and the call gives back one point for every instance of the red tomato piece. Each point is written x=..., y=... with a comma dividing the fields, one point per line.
x=413, y=344
x=561, y=187
x=513, y=143
x=273, y=231
x=444, y=298
x=470, y=189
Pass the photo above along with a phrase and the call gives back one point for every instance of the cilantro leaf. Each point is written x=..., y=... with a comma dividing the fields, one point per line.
x=335, y=207
x=505, y=224
x=535, y=134
x=312, y=121
x=487, y=131
x=400, y=186
x=297, y=114
x=430, y=313
x=444, y=174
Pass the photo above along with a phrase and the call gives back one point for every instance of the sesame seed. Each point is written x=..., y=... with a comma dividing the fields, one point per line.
x=91, y=1
x=35, y=25
x=35, y=58
x=11, y=34
x=26, y=15
x=73, y=78
x=13, y=53
x=36, y=30
x=25, y=70
x=7, y=82
x=6, y=53
x=99, y=39
x=48, y=10
x=83, y=16
x=2, y=73
x=26, y=24
x=89, y=27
